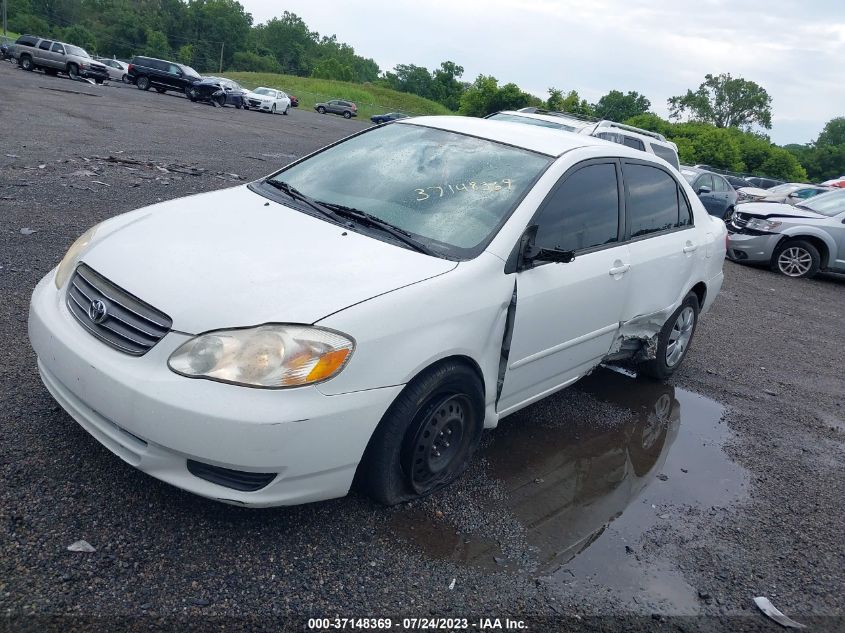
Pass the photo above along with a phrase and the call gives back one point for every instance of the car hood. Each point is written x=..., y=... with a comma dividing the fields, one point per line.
x=756, y=192
x=233, y=258
x=775, y=210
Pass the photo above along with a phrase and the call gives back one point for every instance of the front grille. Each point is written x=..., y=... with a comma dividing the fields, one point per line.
x=739, y=220
x=254, y=103
x=234, y=479
x=113, y=315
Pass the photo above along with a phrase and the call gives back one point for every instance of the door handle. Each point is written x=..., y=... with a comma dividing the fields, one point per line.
x=619, y=270
x=689, y=247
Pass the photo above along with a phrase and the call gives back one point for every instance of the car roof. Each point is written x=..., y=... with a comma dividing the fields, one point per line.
x=543, y=140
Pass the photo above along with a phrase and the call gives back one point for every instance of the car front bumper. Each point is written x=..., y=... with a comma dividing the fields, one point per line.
x=93, y=73
x=743, y=247
x=156, y=420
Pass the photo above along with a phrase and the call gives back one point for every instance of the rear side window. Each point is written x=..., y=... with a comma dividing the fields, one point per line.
x=582, y=212
x=667, y=154
x=720, y=184
x=652, y=203
x=45, y=45
x=26, y=40
x=630, y=141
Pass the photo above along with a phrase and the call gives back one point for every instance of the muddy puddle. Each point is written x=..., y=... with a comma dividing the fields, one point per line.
x=582, y=475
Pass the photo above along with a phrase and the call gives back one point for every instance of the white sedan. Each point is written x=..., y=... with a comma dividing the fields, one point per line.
x=366, y=311
x=268, y=100
x=118, y=70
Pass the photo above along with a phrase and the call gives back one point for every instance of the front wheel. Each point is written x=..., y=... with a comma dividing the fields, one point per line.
x=287, y=108
x=427, y=437
x=273, y=109
x=73, y=71
x=321, y=110
x=796, y=258
x=674, y=339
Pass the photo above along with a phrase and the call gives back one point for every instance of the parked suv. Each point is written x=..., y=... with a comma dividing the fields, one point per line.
x=797, y=241
x=635, y=137
x=338, y=106
x=54, y=57
x=148, y=72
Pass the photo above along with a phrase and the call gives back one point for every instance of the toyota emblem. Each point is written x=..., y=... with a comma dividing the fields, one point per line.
x=98, y=311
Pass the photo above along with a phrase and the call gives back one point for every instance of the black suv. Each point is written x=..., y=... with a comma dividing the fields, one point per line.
x=148, y=72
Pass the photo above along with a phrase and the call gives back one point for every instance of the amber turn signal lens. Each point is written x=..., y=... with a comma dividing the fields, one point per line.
x=328, y=365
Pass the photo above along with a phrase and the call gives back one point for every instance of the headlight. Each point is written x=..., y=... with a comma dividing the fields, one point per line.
x=71, y=258
x=759, y=224
x=271, y=356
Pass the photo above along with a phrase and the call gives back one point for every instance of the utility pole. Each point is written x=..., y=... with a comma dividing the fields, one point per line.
x=221, y=54
x=4, y=17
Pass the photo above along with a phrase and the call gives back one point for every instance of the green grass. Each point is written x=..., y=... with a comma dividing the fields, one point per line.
x=9, y=34
x=370, y=99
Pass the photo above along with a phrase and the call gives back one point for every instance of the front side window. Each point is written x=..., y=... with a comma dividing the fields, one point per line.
x=450, y=191
x=652, y=200
x=58, y=48
x=706, y=180
x=583, y=212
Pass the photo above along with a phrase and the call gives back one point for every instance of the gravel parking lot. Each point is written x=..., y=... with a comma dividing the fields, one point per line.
x=617, y=497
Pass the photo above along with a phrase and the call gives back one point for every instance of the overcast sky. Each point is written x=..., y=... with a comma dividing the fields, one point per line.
x=795, y=50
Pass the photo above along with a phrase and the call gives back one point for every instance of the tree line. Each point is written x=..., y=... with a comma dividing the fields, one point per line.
x=716, y=124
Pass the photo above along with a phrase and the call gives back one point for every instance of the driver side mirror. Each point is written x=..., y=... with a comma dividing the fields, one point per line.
x=703, y=189
x=530, y=253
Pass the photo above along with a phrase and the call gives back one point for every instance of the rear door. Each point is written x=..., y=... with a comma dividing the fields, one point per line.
x=567, y=315
x=708, y=198
x=663, y=242
x=41, y=54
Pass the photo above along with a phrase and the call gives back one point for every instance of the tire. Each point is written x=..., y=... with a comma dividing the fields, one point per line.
x=409, y=455
x=321, y=110
x=220, y=100
x=796, y=258
x=99, y=82
x=125, y=79
x=239, y=105
x=192, y=95
x=347, y=114
x=728, y=214
x=679, y=329
x=286, y=110
x=273, y=109
x=73, y=71
x=160, y=91
x=25, y=62
x=143, y=83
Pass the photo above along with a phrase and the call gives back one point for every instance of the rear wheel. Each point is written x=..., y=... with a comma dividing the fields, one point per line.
x=25, y=62
x=143, y=83
x=347, y=114
x=125, y=79
x=427, y=437
x=674, y=339
x=796, y=258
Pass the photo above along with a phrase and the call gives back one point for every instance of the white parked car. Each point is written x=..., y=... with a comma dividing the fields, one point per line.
x=268, y=99
x=117, y=70
x=364, y=312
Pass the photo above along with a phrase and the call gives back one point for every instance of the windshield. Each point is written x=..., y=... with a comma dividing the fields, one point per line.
x=689, y=174
x=829, y=204
x=263, y=91
x=515, y=118
x=75, y=50
x=189, y=71
x=785, y=188
x=450, y=191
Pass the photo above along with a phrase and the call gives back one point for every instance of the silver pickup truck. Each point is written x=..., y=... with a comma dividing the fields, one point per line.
x=53, y=57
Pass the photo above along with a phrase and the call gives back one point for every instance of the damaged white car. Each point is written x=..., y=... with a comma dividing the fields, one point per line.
x=362, y=314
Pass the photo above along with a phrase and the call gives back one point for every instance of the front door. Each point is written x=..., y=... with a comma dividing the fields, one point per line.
x=567, y=315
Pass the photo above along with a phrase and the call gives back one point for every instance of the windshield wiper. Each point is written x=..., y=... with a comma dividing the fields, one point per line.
x=296, y=194
x=375, y=222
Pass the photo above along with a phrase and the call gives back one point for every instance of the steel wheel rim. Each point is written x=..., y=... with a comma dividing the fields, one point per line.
x=680, y=336
x=438, y=444
x=794, y=261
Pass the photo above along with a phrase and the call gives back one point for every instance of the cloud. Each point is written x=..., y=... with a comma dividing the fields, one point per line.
x=794, y=50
